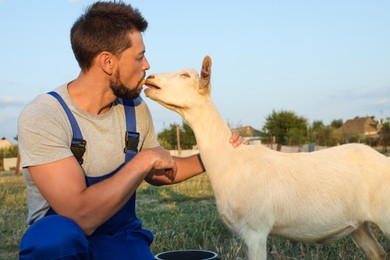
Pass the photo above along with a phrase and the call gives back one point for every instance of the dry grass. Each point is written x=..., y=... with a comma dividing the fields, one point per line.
x=13, y=211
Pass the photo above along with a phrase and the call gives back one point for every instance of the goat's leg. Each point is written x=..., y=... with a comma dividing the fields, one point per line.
x=364, y=238
x=256, y=245
x=383, y=222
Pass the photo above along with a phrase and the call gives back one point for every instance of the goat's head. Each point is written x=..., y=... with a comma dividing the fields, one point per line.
x=179, y=91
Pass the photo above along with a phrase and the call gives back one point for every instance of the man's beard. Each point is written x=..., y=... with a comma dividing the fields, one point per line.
x=121, y=91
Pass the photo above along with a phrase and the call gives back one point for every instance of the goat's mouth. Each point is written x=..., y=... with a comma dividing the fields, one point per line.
x=150, y=84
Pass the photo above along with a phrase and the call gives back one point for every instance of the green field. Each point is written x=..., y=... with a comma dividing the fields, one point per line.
x=182, y=216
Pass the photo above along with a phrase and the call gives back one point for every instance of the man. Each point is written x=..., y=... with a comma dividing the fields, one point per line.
x=79, y=147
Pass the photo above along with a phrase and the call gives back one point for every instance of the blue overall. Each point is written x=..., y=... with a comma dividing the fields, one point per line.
x=120, y=237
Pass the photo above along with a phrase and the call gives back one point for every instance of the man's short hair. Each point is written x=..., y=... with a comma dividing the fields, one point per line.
x=104, y=27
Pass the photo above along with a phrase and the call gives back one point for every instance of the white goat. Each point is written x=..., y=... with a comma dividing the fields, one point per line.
x=309, y=197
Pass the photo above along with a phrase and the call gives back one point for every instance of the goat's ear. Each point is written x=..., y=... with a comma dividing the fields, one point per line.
x=205, y=76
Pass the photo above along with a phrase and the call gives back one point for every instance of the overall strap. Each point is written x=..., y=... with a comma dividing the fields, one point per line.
x=78, y=143
x=132, y=137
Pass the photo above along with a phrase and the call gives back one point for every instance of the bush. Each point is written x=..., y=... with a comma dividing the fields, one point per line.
x=9, y=152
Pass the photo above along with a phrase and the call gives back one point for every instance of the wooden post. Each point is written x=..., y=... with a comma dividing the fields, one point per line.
x=17, y=170
x=178, y=139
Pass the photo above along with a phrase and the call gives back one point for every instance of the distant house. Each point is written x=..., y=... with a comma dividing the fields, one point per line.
x=5, y=163
x=5, y=143
x=250, y=134
x=360, y=129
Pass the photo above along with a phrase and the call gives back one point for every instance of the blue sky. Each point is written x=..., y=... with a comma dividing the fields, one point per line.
x=322, y=60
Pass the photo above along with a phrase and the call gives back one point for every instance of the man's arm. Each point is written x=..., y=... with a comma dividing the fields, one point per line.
x=62, y=184
x=188, y=167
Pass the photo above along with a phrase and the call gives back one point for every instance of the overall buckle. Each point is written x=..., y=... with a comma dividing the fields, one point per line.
x=78, y=149
x=132, y=140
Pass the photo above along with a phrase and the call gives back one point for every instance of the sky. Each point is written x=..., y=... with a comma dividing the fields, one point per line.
x=322, y=60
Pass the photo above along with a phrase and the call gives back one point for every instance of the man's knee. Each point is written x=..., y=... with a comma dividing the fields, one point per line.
x=53, y=236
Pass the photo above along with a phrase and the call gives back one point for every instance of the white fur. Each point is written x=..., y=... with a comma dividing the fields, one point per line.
x=310, y=197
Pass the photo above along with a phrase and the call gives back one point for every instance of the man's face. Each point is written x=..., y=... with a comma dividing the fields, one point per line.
x=132, y=65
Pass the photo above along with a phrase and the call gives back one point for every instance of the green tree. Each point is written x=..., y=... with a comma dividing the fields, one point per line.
x=286, y=127
x=187, y=138
x=168, y=137
x=336, y=123
x=322, y=134
x=384, y=135
x=9, y=152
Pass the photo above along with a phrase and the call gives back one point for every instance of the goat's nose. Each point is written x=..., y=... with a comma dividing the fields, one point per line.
x=150, y=77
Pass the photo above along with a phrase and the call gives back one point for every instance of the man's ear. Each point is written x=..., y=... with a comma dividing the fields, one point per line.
x=106, y=62
x=205, y=76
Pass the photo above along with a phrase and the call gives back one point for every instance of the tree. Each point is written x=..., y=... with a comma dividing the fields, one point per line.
x=384, y=135
x=336, y=123
x=286, y=127
x=322, y=134
x=188, y=139
x=9, y=152
x=168, y=137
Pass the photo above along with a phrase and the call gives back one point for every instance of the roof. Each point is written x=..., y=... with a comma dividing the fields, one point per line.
x=359, y=126
x=247, y=131
x=5, y=143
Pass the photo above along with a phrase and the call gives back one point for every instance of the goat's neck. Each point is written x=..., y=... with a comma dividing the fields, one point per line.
x=211, y=132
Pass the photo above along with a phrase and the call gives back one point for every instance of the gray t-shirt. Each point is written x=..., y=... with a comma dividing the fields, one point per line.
x=45, y=134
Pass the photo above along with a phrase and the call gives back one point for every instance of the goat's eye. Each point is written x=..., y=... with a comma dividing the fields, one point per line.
x=185, y=75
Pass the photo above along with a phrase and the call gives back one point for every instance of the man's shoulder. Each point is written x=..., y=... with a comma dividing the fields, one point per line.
x=44, y=105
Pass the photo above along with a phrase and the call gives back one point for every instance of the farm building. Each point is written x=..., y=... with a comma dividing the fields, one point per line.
x=360, y=129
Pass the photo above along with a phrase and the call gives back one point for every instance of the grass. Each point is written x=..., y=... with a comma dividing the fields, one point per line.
x=181, y=216
x=13, y=210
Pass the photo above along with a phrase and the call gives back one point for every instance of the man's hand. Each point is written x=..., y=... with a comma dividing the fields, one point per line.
x=162, y=160
x=236, y=139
